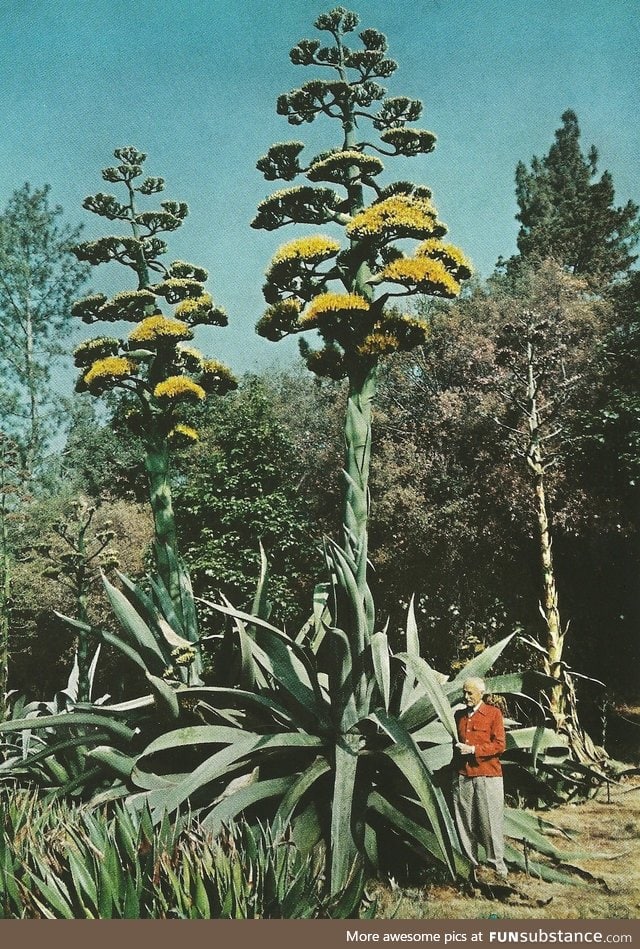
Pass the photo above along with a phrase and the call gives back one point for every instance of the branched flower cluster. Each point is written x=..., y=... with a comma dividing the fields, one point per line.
x=317, y=283
x=152, y=361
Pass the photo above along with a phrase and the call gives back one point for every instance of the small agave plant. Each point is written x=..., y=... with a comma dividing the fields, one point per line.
x=46, y=743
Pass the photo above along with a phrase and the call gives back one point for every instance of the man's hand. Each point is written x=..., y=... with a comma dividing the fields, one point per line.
x=465, y=749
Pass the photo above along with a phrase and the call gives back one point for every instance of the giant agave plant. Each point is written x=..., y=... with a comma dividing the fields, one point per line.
x=328, y=734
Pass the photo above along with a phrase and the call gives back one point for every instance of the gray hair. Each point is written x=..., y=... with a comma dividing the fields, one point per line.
x=477, y=682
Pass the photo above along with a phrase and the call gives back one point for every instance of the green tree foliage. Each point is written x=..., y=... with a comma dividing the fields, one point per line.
x=239, y=487
x=154, y=365
x=612, y=430
x=316, y=429
x=39, y=278
x=606, y=467
x=12, y=479
x=42, y=646
x=453, y=518
x=102, y=456
x=568, y=213
x=84, y=551
x=446, y=521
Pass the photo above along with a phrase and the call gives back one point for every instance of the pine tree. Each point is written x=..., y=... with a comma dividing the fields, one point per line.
x=568, y=213
x=39, y=278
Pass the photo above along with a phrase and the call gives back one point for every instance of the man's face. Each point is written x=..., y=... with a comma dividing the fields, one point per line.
x=471, y=694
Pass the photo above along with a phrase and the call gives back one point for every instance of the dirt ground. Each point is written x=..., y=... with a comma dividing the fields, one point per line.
x=607, y=828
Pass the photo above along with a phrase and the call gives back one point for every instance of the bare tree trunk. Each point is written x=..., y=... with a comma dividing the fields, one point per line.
x=549, y=603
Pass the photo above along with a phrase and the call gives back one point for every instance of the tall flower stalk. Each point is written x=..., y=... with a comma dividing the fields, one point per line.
x=342, y=289
x=155, y=365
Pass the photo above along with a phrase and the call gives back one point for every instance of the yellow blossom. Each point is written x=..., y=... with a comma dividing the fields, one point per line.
x=333, y=303
x=326, y=362
x=401, y=215
x=184, y=432
x=185, y=271
x=279, y=320
x=312, y=249
x=174, y=289
x=378, y=344
x=191, y=357
x=325, y=168
x=410, y=331
x=280, y=195
x=108, y=369
x=423, y=274
x=179, y=387
x=160, y=327
x=91, y=349
x=449, y=254
x=193, y=306
x=127, y=305
x=216, y=377
x=408, y=141
x=183, y=655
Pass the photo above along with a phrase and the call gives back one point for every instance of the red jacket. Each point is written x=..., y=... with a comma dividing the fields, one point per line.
x=485, y=731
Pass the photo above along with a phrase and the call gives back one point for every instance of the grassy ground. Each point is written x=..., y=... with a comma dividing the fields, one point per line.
x=608, y=829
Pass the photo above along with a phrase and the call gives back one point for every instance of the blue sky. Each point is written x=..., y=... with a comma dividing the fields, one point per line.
x=194, y=84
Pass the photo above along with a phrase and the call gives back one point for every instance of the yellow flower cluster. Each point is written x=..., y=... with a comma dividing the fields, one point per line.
x=194, y=306
x=91, y=349
x=399, y=216
x=184, y=432
x=174, y=289
x=423, y=274
x=414, y=328
x=323, y=167
x=212, y=366
x=410, y=331
x=112, y=367
x=279, y=320
x=159, y=327
x=185, y=271
x=179, y=387
x=183, y=655
x=378, y=344
x=312, y=249
x=127, y=305
x=280, y=195
x=216, y=377
x=409, y=141
x=326, y=362
x=192, y=357
x=449, y=254
x=333, y=303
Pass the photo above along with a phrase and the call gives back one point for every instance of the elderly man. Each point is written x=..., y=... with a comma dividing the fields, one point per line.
x=478, y=794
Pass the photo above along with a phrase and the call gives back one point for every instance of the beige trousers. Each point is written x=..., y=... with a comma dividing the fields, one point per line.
x=478, y=805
